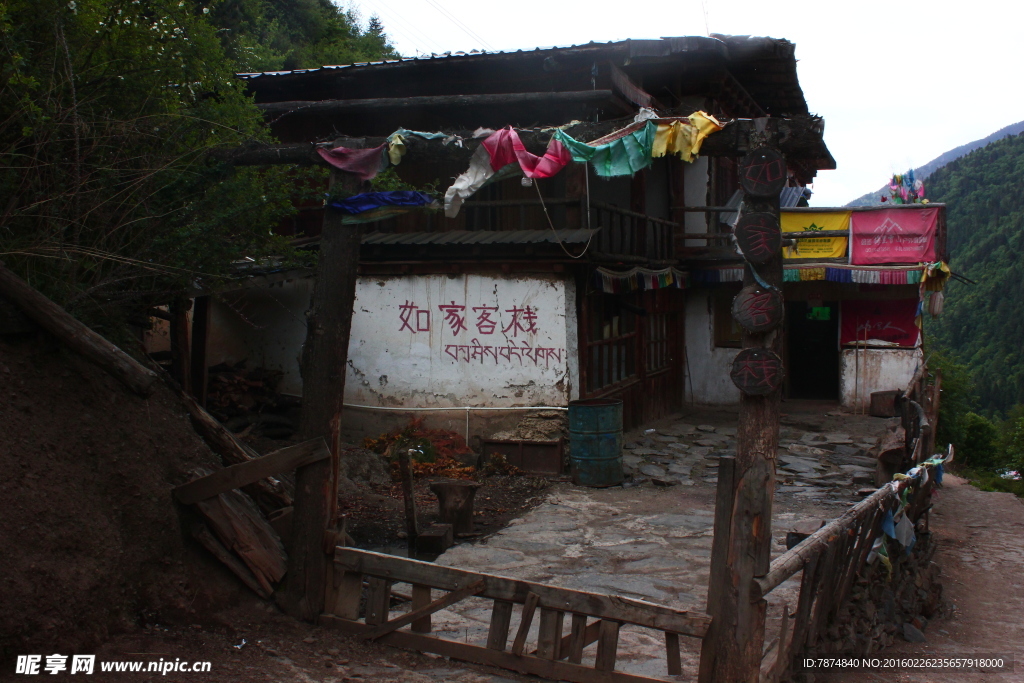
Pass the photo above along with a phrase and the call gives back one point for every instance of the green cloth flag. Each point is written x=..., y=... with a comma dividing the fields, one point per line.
x=624, y=156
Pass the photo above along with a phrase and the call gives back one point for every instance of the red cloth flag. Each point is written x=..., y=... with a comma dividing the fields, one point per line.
x=505, y=147
x=893, y=236
x=891, y=320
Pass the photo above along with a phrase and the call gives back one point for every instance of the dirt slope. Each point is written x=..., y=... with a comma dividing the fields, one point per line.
x=91, y=541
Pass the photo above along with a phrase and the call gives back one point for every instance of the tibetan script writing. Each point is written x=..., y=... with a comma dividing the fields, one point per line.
x=524, y=353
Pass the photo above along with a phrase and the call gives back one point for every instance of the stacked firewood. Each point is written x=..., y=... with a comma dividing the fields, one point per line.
x=243, y=398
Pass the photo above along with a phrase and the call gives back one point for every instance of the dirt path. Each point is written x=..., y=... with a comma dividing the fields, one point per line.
x=980, y=538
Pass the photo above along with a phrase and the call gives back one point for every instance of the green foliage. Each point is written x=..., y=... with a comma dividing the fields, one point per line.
x=271, y=35
x=984, y=324
x=1012, y=439
x=980, y=446
x=988, y=481
x=111, y=199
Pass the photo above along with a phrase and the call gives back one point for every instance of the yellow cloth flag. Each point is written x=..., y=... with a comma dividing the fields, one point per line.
x=824, y=247
x=684, y=138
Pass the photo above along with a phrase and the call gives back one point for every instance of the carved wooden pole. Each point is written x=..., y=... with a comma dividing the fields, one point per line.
x=324, y=358
x=732, y=651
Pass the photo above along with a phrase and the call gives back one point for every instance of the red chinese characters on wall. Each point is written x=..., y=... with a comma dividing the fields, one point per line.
x=892, y=321
x=512, y=322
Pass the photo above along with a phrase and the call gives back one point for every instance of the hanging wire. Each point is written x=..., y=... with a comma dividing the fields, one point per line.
x=551, y=224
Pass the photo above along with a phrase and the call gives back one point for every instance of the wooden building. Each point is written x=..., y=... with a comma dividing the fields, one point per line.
x=533, y=293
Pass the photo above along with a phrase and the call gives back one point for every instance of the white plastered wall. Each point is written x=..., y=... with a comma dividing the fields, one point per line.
x=708, y=367
x=867, y=370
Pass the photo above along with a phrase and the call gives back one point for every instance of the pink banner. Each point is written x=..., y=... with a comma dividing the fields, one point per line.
x=893, y=236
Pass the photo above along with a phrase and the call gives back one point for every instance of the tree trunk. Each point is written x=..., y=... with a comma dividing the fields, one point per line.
x=75, y=334
x=324, y=358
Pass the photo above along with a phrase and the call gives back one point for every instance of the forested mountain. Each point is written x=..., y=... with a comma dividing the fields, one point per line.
x=938, y=162
x=271, y=35
x=983, y=324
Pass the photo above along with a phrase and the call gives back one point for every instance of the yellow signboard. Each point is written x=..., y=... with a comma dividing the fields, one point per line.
x=814, y=247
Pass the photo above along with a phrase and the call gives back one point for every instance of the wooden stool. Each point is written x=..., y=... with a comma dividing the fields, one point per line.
x=455, y=502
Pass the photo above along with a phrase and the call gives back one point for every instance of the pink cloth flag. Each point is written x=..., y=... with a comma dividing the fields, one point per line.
x=505, y=147
x=893, y=236
x=365, y=163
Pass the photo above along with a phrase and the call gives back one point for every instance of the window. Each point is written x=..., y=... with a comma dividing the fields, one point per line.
x=611, y=341
x=727, y=333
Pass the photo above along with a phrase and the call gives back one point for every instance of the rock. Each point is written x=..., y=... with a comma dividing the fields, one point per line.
x=837, y=438
x=912, y=634
x=710, y=429
x=631, y=461
x=727, y=431
x=664, y=481
x=710, y=443
x=801, y=449
x=664, y=439
x=863, y=478
x=680, y=429
x=630, y=445
x=813, y=438
x=678, y=446
x=652, y=471
x=700, y=451
x=844, y=449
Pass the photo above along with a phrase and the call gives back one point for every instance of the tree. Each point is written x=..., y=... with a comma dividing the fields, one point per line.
x=108, y=109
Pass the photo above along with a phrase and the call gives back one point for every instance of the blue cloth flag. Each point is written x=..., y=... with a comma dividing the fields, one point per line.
x=369, y=201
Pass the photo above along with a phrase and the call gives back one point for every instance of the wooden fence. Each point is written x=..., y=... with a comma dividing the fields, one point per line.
x=556, y=655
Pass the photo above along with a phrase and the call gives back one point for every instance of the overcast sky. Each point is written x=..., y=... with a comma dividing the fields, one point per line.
x=898, y=83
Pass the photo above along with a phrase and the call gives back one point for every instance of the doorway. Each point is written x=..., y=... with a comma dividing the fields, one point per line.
x=812, y=335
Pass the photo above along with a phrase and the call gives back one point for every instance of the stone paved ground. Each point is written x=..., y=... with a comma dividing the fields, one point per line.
x=651, y=538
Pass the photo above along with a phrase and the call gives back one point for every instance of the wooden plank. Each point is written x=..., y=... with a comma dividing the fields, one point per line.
x=75, y=334
x=336, y=107
x=784, y=647
x=240, y=527
x=607, y=646
x=526, y=664
x=825, y=568
x=421, y=598
x=808, y=588
x=237, y=567
x=529, y=607
x=579, y=637
x=251, y=471
x=719, y=558
x=378, y=600
x=549, y=639
x=672, y=656
x=626, y=610
x=436, y=606
x=348, y=593
x=501, y=619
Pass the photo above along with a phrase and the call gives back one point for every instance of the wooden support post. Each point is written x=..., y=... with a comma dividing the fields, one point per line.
x=501, y=618
x=420, y=598
x=324, y=355
x=738, y=621
x=607, y=646
x=529, y=607
x=412, y=527
x=549, y=638
x=672, y=657
x=200, y=335
x=378, y=600
x=181, y=363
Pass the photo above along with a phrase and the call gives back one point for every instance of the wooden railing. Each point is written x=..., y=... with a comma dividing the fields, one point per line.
x=556, y=656
x=830, y=560
x=621, y=232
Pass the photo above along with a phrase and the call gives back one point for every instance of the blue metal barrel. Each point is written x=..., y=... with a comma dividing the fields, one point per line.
x=595, y=442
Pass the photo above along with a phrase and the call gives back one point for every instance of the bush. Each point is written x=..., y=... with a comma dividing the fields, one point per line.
x=980, y=445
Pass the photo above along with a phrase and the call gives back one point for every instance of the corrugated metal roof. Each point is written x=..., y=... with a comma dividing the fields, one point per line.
x=430, y=57
x=480, y=237
x=659, y=47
